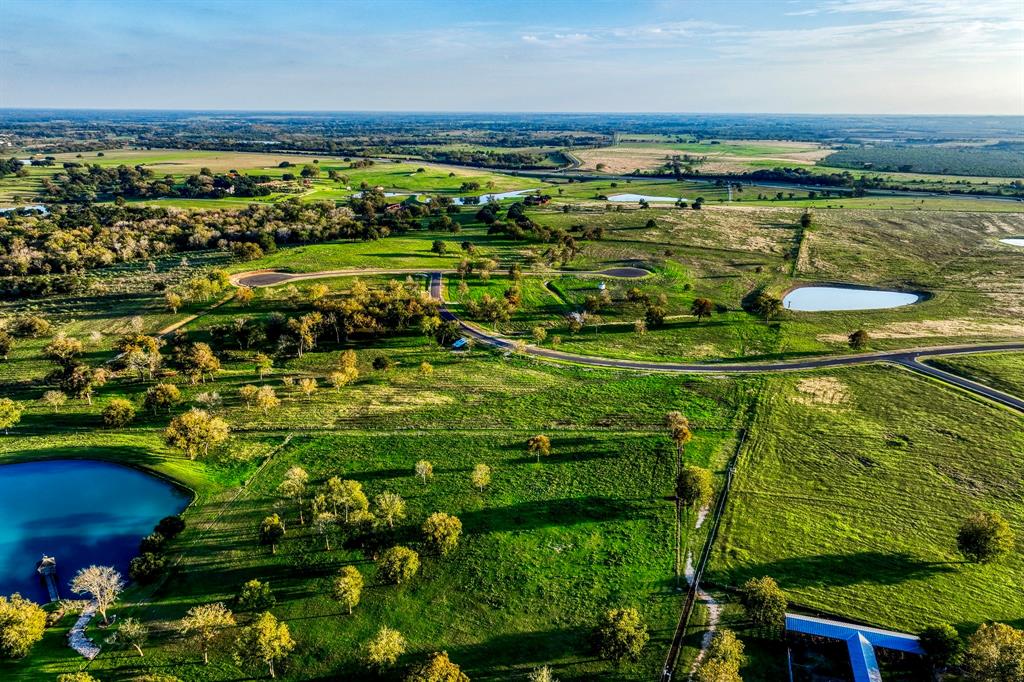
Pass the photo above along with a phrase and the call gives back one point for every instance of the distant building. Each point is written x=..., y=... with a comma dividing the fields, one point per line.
x=536, y=199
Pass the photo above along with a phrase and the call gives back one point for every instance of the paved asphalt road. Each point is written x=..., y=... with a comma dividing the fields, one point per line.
x=909, y=358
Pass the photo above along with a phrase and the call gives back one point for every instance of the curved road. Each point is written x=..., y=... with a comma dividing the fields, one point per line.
x=909, y=358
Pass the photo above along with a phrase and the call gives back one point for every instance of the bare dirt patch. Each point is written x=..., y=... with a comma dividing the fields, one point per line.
x=821, y=391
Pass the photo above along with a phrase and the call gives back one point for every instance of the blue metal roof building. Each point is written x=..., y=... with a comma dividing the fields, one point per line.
x=860, y=641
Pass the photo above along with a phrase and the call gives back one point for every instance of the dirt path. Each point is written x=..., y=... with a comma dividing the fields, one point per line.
x=714, y=609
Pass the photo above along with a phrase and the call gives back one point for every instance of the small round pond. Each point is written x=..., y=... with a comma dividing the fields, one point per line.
x=80, y=512
x=819, y=298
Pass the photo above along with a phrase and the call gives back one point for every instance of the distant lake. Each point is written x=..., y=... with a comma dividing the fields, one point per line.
x=81, y=512
x=1013, y=241
x=822, y=298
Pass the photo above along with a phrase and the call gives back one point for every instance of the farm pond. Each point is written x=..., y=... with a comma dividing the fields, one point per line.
x=80, y=512
x=820, y=298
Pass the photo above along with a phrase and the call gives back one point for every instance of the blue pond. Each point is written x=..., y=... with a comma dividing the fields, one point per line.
x=821, y=298
x=81, y=512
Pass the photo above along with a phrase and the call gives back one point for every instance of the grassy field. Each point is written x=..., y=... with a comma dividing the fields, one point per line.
x=1004, y=371
x=586, y=529
x=852, y=488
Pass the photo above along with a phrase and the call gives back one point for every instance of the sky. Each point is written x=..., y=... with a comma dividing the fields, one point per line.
x=742, y=56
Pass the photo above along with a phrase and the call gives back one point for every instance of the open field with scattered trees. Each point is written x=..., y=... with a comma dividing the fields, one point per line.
x=394, y=498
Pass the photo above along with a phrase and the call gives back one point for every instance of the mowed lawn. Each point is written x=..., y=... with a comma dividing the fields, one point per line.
x=851, y=491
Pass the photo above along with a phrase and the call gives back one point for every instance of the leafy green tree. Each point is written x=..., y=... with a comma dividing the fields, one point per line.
x=162, y=396
x=348, y=587
x=173, y=301
x=621, y=634
x=437, y=668
x=943, y=646
x=264, y=363
x=271, y=532
x=398, y=564
x=131, y=633
x=102, y=583
x=265, y=642
x=384, y=649
x=764, y=601
x=22, y=623
x=390, y=508
x=255, y=596
x=481, y=476
x=984, y=537
x=767, y=306
x=118, y=413
x=716, y=670
x=701, y=308
x=539, y=445
x=63, y=350
x=10, y=414
x=694, y=487
x=442, y=532
x=54, y=399
x=859, y=339
x=76, y=677
x=995, y=653
x=725, y=646
x=424, y=470
x=266, y=399
x=349, y=494
x=204, y=623
x=293, y=487
x=196, y=432
x=197, y=362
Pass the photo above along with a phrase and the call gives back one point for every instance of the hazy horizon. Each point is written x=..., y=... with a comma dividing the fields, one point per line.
x=834, y=57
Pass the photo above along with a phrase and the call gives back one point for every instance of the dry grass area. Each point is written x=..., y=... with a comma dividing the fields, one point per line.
x=734, y=157
x=920, y=329
x=821, y=391
x=940, y=251
x=742, y=228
